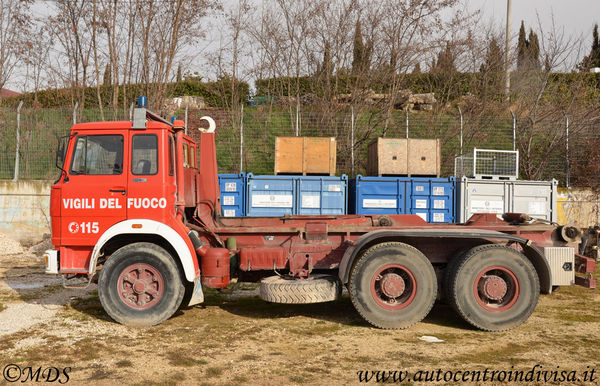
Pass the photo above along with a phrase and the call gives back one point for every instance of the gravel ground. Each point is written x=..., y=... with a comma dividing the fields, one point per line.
x=239, y=339
x=9, y=246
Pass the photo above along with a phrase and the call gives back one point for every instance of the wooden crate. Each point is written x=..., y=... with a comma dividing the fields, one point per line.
x=387, y=156
x=305, y=155
x=403, y=157
x=424, y=157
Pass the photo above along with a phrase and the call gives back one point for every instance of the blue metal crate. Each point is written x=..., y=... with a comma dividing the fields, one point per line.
x=233, y=194
x=321, y=195
x=274, y=196
x=270, y=196
x=433, y=199
x=377, y=195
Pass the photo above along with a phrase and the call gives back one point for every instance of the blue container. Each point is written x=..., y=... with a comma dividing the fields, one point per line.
x=433, y=199
x=377, y=195
x=275, y=196
x=233, y=194
x=321, y=195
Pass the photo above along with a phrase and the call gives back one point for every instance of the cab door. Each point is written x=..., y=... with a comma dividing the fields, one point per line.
x=93, y=194
x=151, y=175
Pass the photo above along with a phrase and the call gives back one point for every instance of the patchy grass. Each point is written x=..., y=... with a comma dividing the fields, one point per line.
x=124, y=363
x=178, y=358
x=496, y=354
x=214, y=371
x=2, y=307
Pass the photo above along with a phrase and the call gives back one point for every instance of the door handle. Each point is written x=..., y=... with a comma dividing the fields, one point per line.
x=117, y=190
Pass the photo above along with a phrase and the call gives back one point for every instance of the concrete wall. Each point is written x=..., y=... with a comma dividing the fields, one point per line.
x=25, y=210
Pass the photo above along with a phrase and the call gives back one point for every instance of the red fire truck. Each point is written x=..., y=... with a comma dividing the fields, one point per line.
x=135, y=210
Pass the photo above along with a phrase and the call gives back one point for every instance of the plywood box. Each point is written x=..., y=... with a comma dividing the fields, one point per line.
x=401, y=156
x=387, y=156
x=424, y=157
x=305, y=155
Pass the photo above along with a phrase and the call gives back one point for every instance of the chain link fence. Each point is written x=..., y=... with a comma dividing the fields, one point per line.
x=554, y=148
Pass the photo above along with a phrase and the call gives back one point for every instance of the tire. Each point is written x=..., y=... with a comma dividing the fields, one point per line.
x=315, y=289
x=140, y=285
x=393, y=285
x=493, y=287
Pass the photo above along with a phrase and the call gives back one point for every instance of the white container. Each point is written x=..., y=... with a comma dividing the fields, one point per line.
x=535, y=198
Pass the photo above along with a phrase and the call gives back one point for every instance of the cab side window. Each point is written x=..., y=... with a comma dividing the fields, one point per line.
x=144, y=154
x=98, y=155
x=171, y=156
x=186, y=161
x=193, y=157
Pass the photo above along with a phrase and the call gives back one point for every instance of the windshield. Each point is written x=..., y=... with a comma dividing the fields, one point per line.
x=98, y=155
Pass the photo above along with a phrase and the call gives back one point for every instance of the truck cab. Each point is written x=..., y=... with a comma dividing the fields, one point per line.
x=117, y=187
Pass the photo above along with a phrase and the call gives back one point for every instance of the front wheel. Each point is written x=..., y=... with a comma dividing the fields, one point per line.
x=393, y=285
x=493, y=287
x=140, y=285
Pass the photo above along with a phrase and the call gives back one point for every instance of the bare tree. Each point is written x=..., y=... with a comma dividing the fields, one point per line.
x=15, y=20
x=167, y=27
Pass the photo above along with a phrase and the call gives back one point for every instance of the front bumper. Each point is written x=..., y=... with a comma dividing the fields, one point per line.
x=51, y=257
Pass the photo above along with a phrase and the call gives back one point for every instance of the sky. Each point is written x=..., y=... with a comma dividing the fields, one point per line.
x=577, y=17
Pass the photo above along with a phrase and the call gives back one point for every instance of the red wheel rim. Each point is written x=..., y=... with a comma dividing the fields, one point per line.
x=393, y=287
x=496, y=288
x=140, y=286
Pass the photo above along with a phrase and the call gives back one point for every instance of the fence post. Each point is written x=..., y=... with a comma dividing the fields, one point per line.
x=514, y=127
x=406, y=122
x=16, y=175
x=568, y=171
x=131, y=112
x=242, y=140
x=297, y=119
x=352, y=138
x=186, y=116
x=461, y=129
x=75, y=112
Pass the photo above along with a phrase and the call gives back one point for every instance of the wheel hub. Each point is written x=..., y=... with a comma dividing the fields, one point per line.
x=493, y=287
x=496, y=288
x=140, y=286
x=392, y=285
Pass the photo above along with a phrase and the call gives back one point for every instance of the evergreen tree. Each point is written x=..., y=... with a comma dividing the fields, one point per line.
x=359, y=50
x=179, y=73
x=528, y=50
x=533, y=51
x=326, y=67
x=368, y=53
x=417, y=69
x=107, y=77
x=494, y=57
x=445, y=61
x=593, y=59
x=522, y=47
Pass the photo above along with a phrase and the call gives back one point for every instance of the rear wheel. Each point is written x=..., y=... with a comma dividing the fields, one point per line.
x=140, y=285
x=393, y=285
x=493, y=287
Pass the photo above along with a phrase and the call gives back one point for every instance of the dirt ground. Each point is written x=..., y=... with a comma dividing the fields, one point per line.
x=239, y=339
